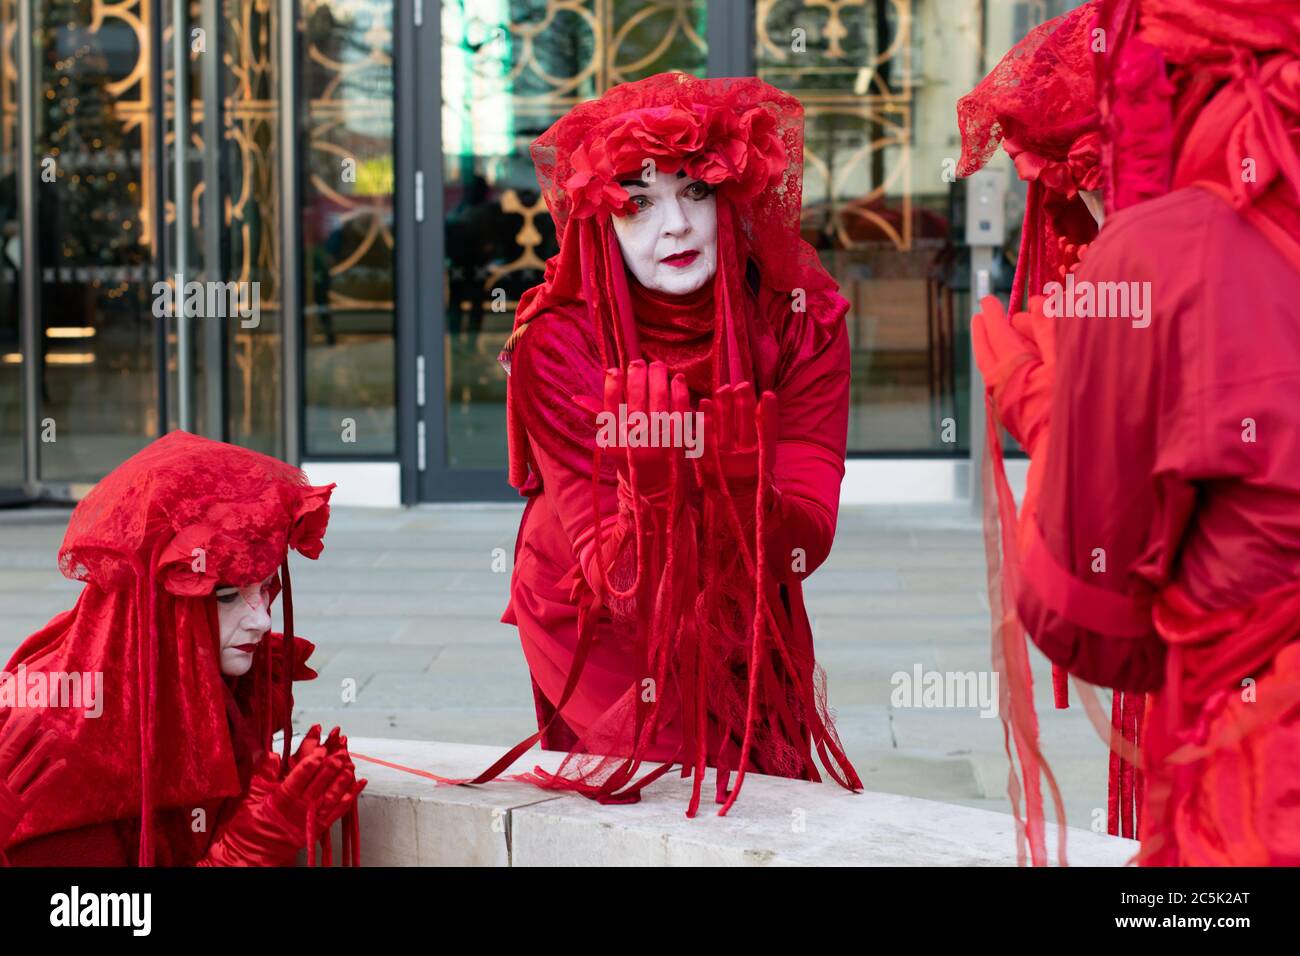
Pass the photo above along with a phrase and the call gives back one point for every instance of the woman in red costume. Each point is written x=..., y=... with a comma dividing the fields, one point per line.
x=182, y=548
x=1173, y=451
x=1040, y=103
x=657, y=580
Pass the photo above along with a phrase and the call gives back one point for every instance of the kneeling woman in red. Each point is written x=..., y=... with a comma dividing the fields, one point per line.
x=168, y=759
x=673, y=514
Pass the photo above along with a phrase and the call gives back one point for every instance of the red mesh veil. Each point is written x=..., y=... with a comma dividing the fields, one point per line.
x=152, y=541
x=732, y=660
x=1039, y=103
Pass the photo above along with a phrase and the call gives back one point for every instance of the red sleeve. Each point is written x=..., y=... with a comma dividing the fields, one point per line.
x=1115, y=496
x=812, y=389
x=555, y=360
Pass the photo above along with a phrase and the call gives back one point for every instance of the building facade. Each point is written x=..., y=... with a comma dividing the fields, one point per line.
x=321, y=256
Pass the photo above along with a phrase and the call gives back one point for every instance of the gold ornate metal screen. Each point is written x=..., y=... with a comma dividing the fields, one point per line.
x=510, y=69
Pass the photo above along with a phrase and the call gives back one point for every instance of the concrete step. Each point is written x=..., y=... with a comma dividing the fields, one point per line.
x=409, y=820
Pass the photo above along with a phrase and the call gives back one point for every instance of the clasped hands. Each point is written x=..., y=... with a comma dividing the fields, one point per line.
x=271, y=824
x=726, y=429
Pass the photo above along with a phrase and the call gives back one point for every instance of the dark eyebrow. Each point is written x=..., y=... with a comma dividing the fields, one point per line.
x=633, y=182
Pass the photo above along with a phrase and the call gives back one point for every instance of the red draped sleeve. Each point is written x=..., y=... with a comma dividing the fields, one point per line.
x=812, y=389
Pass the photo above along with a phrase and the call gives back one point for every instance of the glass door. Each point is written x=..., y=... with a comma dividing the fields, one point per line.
x=11, y=358
x=507, y=70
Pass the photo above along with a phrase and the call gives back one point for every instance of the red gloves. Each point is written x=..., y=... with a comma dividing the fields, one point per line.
x=646, y=390
x=1017, y=358
x=732, y=438
x=25, y=762
x=278, y=817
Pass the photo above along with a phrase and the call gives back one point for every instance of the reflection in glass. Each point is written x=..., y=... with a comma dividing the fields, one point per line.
x=98, y=403
x=877, y=207
x=250, y=228
x=11, y=369
x=347, y=228
x=510, y=68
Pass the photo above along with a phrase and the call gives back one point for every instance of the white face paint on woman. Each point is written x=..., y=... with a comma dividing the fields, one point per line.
x=1096, y=205
x=671, y=242
x=244, y=615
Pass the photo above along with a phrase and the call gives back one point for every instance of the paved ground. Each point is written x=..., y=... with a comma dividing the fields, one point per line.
x=406, y=604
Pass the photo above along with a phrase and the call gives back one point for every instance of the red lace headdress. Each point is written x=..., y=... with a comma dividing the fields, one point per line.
x=152, y=541
x=1039, y=103
x=702, y=616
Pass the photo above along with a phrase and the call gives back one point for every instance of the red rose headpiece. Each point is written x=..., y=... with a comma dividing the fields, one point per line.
x=710, y=143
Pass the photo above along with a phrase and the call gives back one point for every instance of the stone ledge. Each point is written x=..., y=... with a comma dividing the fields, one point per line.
x=408, y=820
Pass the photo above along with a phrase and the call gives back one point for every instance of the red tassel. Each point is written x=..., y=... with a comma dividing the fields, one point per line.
x=760, y=602
x=1060, y=687
x=289, y=651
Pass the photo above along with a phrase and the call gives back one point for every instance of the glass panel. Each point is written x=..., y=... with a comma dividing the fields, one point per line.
x=510, y=68
x=876, y=204
x=249, y=230
x=347, y=227
x=95, y=235
x=11, y=368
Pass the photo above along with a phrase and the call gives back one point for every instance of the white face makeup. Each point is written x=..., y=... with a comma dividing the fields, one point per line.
x=244, y=615
x=1096, y=205
x=671, y=242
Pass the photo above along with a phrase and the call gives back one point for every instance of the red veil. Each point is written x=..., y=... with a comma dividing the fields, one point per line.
x=1039, y=103
x=724, y=638
x=152, y=541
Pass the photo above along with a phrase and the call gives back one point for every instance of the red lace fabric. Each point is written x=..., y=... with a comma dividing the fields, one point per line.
x=692, y=593
x=151, y=542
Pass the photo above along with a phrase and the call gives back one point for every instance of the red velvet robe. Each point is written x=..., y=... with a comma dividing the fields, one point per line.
x=1175, y=454
x=802, y=356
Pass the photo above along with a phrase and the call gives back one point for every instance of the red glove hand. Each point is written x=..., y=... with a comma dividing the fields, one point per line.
x=271, y=824
x=311, y=743
x=733, y=429
x=1017, y=358
x=647, y=391
x=26, y=752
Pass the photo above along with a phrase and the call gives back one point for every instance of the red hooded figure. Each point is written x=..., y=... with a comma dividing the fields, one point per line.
x=1163, y=550
x=657, y=586
x=175, y=767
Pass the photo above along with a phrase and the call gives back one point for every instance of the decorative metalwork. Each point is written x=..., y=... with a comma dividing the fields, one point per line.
x=857, y=98
x=550, y=56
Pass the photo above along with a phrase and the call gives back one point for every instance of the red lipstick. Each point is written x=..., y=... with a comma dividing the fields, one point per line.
x=680, y=260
